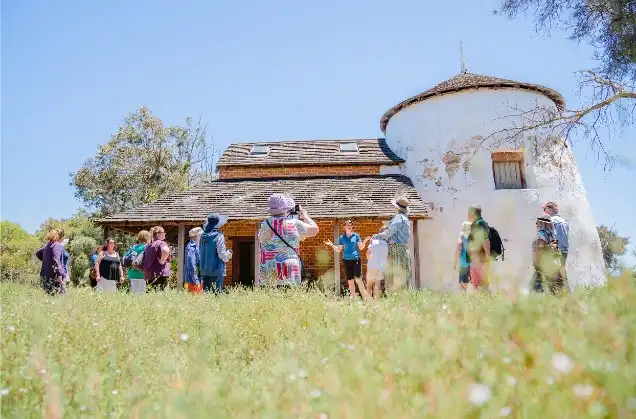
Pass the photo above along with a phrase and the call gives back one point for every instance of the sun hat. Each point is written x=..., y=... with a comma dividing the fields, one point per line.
x=195, y=232
x=401, y=204
x=465, y=231
x=279, y=204
x=213, y=221
x=544, y=218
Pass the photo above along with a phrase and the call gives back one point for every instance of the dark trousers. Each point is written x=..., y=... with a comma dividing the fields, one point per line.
x=159, y=283
x=212, y=283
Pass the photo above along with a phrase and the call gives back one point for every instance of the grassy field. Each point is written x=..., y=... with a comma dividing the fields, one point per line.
x=271, y=355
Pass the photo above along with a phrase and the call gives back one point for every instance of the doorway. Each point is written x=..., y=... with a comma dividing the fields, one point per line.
x=243, y=261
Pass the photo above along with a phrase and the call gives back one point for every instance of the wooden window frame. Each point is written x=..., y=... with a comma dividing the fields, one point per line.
x=503, y=156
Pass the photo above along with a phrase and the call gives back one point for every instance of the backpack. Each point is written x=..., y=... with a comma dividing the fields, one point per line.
x=496, y=244
x=138, y=262
x=129, y=257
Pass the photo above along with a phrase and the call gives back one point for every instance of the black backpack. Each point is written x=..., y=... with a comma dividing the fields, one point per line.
x=496, y=244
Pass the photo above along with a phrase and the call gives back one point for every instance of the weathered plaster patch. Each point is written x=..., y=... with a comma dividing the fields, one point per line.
x=430, y=172
x=451, y=161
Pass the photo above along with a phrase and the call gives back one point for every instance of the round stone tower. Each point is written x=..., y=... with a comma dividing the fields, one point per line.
x=463, y=145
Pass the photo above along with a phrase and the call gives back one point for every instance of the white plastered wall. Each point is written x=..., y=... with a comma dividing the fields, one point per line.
x=446, y=144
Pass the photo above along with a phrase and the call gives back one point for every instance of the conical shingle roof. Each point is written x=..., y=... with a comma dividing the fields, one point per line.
x=465, y=81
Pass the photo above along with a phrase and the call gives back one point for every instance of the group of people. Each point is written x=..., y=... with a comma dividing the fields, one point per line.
x=474, y=256
x=389, y=264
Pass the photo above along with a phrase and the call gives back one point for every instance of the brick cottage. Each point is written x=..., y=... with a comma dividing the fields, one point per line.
x=333, y=180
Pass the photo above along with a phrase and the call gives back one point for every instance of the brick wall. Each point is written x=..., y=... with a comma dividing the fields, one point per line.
x=235, y=172
x=317, y=258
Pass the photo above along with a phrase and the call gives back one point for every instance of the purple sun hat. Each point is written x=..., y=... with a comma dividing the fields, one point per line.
x=279, y=204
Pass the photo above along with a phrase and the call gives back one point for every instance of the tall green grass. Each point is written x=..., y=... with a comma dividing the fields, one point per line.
x=297, y=354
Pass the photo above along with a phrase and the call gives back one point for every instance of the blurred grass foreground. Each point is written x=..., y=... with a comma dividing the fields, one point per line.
x=307, y=355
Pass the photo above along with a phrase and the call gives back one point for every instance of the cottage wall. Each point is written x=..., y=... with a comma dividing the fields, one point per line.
x=247, y=172
x=318, y=259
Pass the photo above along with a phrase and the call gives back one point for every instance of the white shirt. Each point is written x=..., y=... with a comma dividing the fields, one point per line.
x=379, y=253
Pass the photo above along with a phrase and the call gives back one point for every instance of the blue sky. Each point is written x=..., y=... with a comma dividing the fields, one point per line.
x=276, y=70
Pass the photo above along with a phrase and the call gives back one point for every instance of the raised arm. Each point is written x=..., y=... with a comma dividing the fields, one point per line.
x=390, y=231
x=335, y=248
x=363, y=243
x=311, y=228
x=224, y=253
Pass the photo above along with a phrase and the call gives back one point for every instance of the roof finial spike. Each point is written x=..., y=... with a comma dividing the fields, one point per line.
x=461, y=55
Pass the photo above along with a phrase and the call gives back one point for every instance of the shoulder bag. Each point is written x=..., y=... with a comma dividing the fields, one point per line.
x=300, y=259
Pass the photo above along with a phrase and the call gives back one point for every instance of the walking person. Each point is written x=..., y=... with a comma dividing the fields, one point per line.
x=377, y=255
x=157, y=260
x=213, y=255
x=280, y=236
x=478, y=249
x=461, y=256
x=52, y=271
x=561, y=230
x=350, y=244
x=136, y=276
x=547, y=258
x=398, y=233
x=92, y=260
x=108, y=268
x=191, y=279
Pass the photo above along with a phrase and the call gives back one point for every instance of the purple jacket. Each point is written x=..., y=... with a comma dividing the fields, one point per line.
x=51, y=256
x=152, y=253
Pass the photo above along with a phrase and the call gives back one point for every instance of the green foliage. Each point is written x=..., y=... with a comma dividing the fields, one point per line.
x=267, y=354
x=608, y=25
x=613, y=246
x=17, y=249
x=143, y=161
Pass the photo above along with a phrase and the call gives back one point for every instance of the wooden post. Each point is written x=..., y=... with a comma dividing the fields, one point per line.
x=257, y=255
x=106, y=232
x=416, y=256
x=336, y=257
x=180, y=255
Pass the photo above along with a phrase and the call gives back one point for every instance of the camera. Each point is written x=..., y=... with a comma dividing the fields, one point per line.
x=295, y=212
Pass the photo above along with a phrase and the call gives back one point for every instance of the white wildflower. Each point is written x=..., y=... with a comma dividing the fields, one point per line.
x=11, y=329
x=549, y=381
x=385, y=394
x=22, y=390
x=505, y=411
x=583, y=391
x=291, y=377
x=364, y=322
x=351, y=347
x=324, y=360
x=314, y=394
x=323, y=416
x=561, y=362
x=506, y=360
x=82, y=408
x=444, y=306
x=95, y=324
x=479, y=394
x=511, y=380
x=302, y=373
x=184, y=337
x=631, y=403
x=4, y=392
x=115, y=392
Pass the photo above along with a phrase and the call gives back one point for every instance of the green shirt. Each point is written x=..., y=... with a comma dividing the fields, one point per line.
x=479, y=232
x=136, y=250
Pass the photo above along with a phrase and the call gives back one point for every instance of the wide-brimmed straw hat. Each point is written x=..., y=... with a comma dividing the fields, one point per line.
x=195, y=232
x=401, y=204
x=213, y=221
x=279, y=204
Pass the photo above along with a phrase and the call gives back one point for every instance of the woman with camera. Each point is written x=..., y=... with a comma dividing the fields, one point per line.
x=280, y=236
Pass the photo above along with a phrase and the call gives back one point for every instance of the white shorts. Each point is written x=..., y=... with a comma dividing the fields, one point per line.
x=106, y=285
x=138, y=286
x=374, y=274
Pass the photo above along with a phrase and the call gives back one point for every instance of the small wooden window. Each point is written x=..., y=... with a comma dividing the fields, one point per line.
x=508, y=169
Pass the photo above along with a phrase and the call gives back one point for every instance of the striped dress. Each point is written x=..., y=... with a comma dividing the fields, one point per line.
x=279, y=264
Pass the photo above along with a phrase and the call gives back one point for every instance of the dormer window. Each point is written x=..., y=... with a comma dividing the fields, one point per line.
x=349, y=147
x=508, y=169
x=259, y=150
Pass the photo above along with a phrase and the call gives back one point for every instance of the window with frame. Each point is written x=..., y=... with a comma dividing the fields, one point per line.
x=508, y=169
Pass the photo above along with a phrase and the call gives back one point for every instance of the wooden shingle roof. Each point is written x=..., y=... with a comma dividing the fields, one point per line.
x=323, y=197
x=300, y=153
x=465, y=81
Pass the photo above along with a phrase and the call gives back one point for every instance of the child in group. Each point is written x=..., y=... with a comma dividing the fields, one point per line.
x=377, y=255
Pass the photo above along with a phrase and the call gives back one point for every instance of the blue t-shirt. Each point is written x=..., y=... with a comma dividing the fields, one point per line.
x=463, y=260
x=350, y=246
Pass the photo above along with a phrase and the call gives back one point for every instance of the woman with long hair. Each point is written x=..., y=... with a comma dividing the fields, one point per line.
x=108, y=268
x=52, y=274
